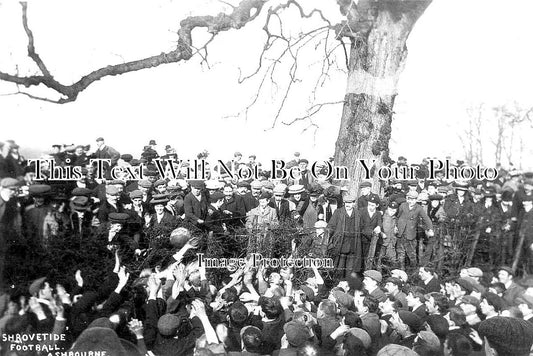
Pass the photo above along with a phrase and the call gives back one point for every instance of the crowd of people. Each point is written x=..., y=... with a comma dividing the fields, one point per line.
x=387, y=295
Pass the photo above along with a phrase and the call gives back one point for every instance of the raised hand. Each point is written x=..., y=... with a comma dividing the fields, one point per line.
x=136, y=328
x=123, y=277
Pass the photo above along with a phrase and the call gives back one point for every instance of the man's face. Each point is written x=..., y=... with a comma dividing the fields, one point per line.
x=391, y=287
x=46, y=291
x=411, y=201
x=369, y=283
x=78, y=151
x=504, y=277
x=29, y=177
x=297, y=197
x=313, y=198
x=430, y=304
x=431, y=189
x=423, y=274
x=39, y=201
x=99, y=143
x=372, y=206
x=10, y=192
x=241, y=190
x=115, y=227
x=463, y=273
x=256, y=191
x=137, y=201
x=303, y=166
x=485, y=307
x=275, y=278
x=111, y=198
x=263, y=203
x=228, y=192
x=524, y=308
x=344, y=285
x=386, y=307
x=392, y=211
x=468, y=308
x=162, y=188
x=159, y=209
x=365, y=191
x=195, y=191
x=12, y=307
x=435, y=203
x=278, y=197
x=349, y=205
x=411, y=300
x=358, y=302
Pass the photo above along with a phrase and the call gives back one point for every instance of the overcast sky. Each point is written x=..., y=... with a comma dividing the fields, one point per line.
x=461, y=52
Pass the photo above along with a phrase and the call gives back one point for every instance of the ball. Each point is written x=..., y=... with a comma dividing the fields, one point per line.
x=179, y=237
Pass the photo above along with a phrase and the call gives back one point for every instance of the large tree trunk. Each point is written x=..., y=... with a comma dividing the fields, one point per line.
x=377, y=56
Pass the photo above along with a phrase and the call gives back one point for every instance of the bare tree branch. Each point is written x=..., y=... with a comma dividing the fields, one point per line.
x=313, y=110
x=31, y=46
x=245, y=12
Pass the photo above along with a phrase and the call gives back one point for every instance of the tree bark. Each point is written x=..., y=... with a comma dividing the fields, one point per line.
x=377, y=56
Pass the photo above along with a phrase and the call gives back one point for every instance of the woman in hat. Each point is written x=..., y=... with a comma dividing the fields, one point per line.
x=162, y=221
x=297, y=205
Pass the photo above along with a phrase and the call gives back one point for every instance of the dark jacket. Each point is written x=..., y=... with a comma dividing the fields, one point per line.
x=408, y=220
x=194, y=209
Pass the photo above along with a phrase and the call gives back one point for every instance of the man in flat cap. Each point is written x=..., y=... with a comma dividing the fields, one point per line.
x=80, y=218
x=110, y=204
x=345, y=242
x=78, y=157
x=233, y=207
x=371, y=226
x=251, y=198
x=409, y=215
x=119, y=238
x=505, y=336
x=105, y=152
x=36, y=213
x=215, y=217
x=195, y=204
x=390, y=227
x=512, y=289
x=41, y=298
x=366, y=195
x=281, y=204
x=305, y=178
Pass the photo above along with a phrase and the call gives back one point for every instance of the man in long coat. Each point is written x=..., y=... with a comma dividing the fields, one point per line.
x=409, y=215
x=345, y=242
